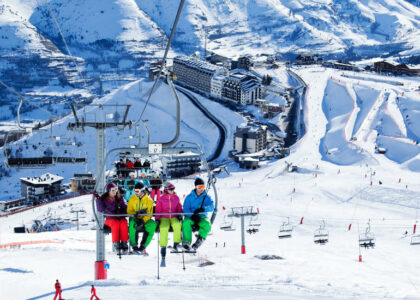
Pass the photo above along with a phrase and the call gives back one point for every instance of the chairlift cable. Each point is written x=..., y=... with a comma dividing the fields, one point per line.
x=65, y=44
x=26, y=99
x=168, y=46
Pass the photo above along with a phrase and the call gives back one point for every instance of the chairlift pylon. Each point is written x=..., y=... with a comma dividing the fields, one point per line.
x=321, y=235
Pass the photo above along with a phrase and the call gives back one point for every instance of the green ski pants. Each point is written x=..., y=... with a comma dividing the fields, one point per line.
x=204, y=224
x=149, y=227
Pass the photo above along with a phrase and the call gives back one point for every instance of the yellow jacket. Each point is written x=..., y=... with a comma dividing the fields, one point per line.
x=135, y=204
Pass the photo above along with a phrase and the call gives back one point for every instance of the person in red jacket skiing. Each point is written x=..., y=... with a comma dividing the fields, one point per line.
x=57, y=290
x=93, y=292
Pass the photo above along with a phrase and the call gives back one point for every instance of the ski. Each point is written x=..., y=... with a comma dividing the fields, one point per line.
x=138, y=253
x=184, y=251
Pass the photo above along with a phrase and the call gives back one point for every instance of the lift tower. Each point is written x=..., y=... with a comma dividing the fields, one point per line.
x=101, y=125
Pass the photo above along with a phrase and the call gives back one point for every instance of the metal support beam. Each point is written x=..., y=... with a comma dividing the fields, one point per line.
x=100, y=156
x=243, y=250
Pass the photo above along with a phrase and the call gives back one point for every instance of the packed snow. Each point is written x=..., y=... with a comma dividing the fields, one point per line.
x=341, y=183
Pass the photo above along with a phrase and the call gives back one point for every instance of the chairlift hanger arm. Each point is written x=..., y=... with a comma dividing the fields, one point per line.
x=168, y=46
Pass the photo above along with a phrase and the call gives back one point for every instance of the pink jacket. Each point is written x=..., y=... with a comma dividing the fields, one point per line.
x=168, y=204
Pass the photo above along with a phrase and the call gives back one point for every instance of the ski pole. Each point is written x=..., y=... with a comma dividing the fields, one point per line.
x=158, y=256
x=183, y=261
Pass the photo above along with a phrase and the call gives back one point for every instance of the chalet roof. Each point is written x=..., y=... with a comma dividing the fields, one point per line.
x=43, y=179
x=197, y=63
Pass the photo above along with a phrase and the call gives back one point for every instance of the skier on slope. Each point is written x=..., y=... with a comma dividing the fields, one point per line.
x=57, y=286
x=196, y=204
x=93, y=292
x=140, y=203
x=111, y=202
x=169, y=203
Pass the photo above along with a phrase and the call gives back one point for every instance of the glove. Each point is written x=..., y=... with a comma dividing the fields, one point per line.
x=198, y=210
x=140, y=212
x=140, y=225
x=95, y=194
x=196, y=218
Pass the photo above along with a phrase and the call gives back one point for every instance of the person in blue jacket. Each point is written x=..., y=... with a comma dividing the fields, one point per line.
x=129, y=185
x=197, y=203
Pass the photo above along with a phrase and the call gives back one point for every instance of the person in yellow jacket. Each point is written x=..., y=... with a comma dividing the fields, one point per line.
x=138, y=205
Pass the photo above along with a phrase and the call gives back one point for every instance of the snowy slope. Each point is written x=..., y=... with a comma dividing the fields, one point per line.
x=160, y=114
x=320, y=192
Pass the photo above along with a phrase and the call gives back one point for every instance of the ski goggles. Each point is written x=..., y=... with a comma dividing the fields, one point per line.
x=201, y=187
x=138, y=191
x=114, y=190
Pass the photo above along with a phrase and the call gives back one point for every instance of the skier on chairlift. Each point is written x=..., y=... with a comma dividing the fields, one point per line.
x=140, y=203
x=196, y=204
x=112, y=203
x=169, y=203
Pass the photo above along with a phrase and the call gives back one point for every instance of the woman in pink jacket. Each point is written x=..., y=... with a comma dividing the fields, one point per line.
x=167, y=204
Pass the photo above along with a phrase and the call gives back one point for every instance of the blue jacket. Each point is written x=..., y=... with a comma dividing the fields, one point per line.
x=192, y=202
x=129, y=188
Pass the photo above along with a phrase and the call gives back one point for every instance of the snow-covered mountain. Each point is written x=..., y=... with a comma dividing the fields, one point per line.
x=111, y=41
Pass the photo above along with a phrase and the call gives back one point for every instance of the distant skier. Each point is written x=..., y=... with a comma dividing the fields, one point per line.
x=196, y=205
x=111, y=202
x=129, y=185
x=146, y=167
x=93, y=292
x=169, y=203
x=156, y=185
x=140, y=203
x=57, y=290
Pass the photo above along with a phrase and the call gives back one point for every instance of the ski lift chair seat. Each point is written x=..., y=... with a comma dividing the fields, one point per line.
x=285, y=232
x=321, y=237
x=367, y=240
x=415, y=240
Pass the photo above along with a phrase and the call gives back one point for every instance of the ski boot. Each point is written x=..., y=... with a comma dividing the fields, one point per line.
x=163, y=253
x=115, y=247
x=124, y=247
x=176, y=247
x=142, y=250
x=197, y=243
x=187, y=246
x=136, y=250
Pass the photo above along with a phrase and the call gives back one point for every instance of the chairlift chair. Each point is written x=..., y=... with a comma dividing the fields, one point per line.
x=415, y=240
x=227, y=224
x=321, y=235
x=254, y=221
x=285, y=231
x=367, y=239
